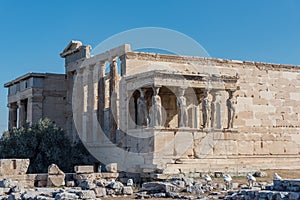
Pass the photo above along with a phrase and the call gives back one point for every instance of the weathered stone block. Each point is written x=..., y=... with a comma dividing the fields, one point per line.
x=183, y=143
x=54, y=170
x=84, y=169
x=86, y=194
x=276, y=147
x=155, y=187
x=245, y=147
x=56, y=180
x=112, y=167
x=100, y=192
x=127, y=190
x=13, y=166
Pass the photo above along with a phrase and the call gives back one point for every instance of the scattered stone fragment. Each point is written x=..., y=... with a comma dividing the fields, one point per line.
x=129, y=182
x=86, y=194
x=234, y=186
x=14, y=196
x=110, y=191
x=84, y=177
x=173, y=195
x=87, y=185
x=127, y=190
x=66, y=195
x=100, y=192
x=159, y=195
x=70, y=183
x=195, y=189
x=29, y=194
x=157, y=187
x=54, y=170
x=112, y=167
x=116, y=185
x=178, y=182
x=4, y=191
x=17, y=189
x=142, y=195
x=56, y=177
x=260, y=174
x=84, y=169
x=188, y=181
x=7, y=183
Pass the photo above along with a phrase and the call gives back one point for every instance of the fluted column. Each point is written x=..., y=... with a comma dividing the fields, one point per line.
x=101, y=93
x=12, y=115
x=84, y=75
x=90, y=102
x=95, y=110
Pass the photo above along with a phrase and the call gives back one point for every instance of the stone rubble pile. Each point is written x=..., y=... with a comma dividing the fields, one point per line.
x=286, y=189
x=10, y=190
x=181, y=188
x=87, y=184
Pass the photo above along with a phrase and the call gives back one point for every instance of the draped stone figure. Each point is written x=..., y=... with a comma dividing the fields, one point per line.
x=206, y=110
x=182, y=110
x=142, y=110
x=231, y=110
x=156, y=106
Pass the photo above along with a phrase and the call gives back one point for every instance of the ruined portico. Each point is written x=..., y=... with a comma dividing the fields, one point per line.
x=35, y=96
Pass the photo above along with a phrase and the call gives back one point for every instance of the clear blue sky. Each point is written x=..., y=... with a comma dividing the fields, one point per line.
x=33, y=33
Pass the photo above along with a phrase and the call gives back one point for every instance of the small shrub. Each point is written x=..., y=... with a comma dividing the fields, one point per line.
x=43, y=143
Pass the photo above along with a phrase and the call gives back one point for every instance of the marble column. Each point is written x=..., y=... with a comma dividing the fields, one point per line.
x=101, y=93
x=22, y=113
x=84, y=78
x=113, y=114
x=13, y=113
x=95, y=109
x=90, y=103
x=72, y=132
x=35, y=108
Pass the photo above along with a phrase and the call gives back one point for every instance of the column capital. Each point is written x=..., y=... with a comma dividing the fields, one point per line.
x=156, y=89
x=113, y=60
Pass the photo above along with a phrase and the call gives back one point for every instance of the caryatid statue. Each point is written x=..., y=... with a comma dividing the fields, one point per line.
x=156, y=106
x=206, y=111
x=182, y=109
x=142, y=110
x=231, y=109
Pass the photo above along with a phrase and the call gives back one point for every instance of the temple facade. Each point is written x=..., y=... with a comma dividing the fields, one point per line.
x=169, y=114
x=34, y=96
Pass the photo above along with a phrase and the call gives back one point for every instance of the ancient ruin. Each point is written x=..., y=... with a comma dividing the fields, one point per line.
x=169, y=114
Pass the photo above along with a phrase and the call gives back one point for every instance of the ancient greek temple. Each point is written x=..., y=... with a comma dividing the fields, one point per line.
x=169, y=114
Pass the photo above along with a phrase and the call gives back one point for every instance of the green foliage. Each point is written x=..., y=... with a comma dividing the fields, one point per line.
x=43, y=143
